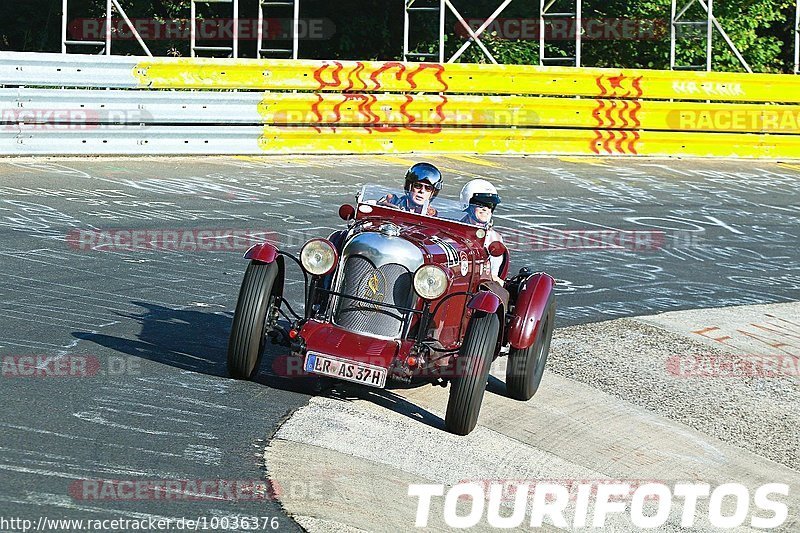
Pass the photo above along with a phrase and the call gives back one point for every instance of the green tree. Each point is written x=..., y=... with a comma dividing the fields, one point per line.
x=761, y=29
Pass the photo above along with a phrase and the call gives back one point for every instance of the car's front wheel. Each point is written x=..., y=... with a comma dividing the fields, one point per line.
x=526, y=367
x=256, y=309
x=472, y=367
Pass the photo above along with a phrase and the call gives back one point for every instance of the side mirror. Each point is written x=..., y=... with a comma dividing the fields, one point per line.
x=347, y=212
x=497, y=249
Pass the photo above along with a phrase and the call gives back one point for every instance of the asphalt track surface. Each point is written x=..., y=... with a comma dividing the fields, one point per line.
x=154, y=323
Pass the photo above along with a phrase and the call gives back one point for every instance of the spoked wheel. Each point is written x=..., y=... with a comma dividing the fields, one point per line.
x=256, y=314
x=466, y=390
x=526, y=367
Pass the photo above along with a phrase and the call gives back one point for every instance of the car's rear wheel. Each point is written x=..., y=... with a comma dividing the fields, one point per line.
x=526, y=367
x=466, y=390
x=256, y=310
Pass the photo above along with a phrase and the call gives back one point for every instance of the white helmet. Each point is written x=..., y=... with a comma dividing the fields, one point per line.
x=480, y=192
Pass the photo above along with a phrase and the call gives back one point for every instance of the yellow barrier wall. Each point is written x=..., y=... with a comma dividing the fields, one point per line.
x=354, y=107
x=361, y=109
x=301, y=139
x=367, y=76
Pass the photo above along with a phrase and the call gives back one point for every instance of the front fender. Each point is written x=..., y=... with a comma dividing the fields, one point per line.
x=533, y=297
x=485, y=301
x=263, y=253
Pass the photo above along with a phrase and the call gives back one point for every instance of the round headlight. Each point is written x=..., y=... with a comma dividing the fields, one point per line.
x=318, y=257
x=430, y=281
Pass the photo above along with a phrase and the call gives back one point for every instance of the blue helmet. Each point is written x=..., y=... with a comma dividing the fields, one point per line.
x=424, y=172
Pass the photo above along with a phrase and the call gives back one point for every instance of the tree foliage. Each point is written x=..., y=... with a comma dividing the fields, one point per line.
x=761, y=29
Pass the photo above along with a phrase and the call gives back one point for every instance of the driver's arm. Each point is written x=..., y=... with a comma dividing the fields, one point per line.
x=495, y=262
x=390, y=200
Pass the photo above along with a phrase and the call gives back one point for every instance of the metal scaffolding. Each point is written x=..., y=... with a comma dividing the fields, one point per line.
x=557, y=17
x=680, y=19
x=294, y=5
x=417, y=9
x=441, y=8
x=560, y=23
x=104, y=45
x=796, y=69
x=233, y=49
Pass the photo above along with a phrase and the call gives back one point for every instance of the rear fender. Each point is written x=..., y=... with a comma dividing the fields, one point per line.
x=533, y=297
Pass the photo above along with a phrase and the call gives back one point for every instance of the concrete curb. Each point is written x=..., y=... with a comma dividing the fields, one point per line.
x=610, y=407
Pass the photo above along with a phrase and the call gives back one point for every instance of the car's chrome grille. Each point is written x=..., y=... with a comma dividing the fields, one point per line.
x=390, y=284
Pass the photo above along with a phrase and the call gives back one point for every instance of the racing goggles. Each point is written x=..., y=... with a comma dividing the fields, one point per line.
x=485, y=200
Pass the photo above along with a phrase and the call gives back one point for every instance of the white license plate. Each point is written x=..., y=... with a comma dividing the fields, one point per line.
x=371, y=375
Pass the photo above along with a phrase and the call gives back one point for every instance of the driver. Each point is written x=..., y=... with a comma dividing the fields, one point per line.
x=478, y=201
x=422, y=185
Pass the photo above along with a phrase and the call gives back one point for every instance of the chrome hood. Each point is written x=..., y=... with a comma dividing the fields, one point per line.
x=382, y=248
x=376, y=266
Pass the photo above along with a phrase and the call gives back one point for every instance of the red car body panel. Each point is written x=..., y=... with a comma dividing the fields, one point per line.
x=263, y=253
x=530, y=307
x=332, y=340
x=485, y=301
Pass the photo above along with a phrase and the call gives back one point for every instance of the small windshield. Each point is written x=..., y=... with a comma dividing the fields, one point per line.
x=447, y=209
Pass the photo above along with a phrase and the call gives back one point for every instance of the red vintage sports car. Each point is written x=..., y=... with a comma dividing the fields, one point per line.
x=400, y=296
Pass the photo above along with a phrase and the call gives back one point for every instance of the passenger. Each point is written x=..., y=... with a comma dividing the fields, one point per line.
x=478, y=200
x=422, y=185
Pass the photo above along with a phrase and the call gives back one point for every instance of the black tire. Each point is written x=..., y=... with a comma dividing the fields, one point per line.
x=526, y=367
x=248, y=332
x=466, y=390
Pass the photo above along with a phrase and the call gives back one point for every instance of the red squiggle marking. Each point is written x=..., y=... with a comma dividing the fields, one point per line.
x=616, y=85
x=632, y=143
x=411, y=119
x=337, y=109
x=637, y=85
x=598, y=112
x=607, y=143
x=425, y=66
x=375, y=119
x=440, y=108
x=609, y=116
x=404, y=109
x=335, y=76
x=624, y=104
x=598, y=136
x=618, y=145
x=350, y=84
x=599, y=81
x=401, y=68
x=315, y=111
x=636, y=107
x=366, y=108
x=364, y=102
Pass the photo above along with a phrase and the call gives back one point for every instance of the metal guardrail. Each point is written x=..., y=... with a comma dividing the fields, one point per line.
x=385, y=107
x=103, y=107
x=94, y=106
x=57, y=70
x=130, y=140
